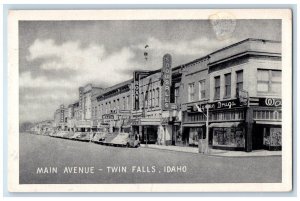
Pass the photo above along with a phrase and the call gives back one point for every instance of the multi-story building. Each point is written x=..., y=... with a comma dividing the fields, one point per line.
x=195, y=91
x=111, y=108
x=156, y=115
x=245, y=96
x=85, y=122
x=60, y=118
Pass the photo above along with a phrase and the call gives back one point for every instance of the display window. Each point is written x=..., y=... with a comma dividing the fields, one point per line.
x=229, y=136
x=272, y=137
x=195, y=134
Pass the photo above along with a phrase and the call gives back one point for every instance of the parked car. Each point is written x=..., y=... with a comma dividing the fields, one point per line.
x=99, y=137
x=121, y=139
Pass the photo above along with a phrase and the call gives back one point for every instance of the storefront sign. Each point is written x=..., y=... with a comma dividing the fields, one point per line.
x=270, y=102
x=216, y=105
x=107, y=116
x=166, y=81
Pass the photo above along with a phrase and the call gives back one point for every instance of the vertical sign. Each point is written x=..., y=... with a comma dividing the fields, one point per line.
x=62, y=113
x=80, y=101
x=136, y=92
x=166, y=81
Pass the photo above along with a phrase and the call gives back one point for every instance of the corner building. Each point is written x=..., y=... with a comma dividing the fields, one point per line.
x=245, y=96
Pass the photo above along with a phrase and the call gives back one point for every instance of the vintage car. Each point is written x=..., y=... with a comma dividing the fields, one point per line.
x=98, y=137
x=61, y=134
x=82, y=136
x=121, y=139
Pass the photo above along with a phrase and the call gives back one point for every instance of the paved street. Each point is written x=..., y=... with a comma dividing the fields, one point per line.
x=133, y=165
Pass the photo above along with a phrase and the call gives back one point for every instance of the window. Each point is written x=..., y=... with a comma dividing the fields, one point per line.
x=118, y=104
x=227, y=85
x=201, y=89
x=217, y=87
x=191, y=91
x=128, y=103
x=153, y=98
x=123, y=106
x=269, y=81
x=157, y=95
x=142, y=100
x=176, y=93
x=239, y=81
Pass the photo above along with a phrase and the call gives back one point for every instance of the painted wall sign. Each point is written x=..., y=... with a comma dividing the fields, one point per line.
x=166, y=81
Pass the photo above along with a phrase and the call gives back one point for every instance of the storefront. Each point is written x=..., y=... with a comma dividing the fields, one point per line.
x=227, y=136
x=147, y=128
x=193, y=127
x=267, y=125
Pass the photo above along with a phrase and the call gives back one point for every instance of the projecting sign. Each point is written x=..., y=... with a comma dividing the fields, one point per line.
x=136, y=76
x=166, y=81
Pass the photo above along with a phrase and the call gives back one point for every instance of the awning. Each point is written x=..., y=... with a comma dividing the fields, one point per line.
x=150, y=122
x=269, y=122
x=193, y=125
x=225, y=124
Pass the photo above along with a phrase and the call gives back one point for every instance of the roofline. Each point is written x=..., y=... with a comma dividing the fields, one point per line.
x=240, y=42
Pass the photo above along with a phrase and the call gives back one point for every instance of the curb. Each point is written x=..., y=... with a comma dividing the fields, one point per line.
x=212, y=155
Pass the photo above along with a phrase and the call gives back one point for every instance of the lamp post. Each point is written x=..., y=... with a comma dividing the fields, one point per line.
x=203, y=148
x=207, y=106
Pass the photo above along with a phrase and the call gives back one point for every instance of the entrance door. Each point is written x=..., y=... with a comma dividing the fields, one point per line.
x=257, y=137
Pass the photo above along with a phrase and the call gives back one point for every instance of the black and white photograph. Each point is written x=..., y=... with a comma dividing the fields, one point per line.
x=142, y=99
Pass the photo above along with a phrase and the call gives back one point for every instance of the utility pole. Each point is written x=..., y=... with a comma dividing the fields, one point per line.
x=204, y=147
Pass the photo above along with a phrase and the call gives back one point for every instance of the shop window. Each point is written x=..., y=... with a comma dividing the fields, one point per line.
x=227, y=85
x=217, y=88
x=201, y=89
x=269, y=81
x=272, y=137
x=195, y=134
x=191, y=91
x=229, y=137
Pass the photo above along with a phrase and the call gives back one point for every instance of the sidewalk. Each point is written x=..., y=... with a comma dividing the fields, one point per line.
x=214, y=152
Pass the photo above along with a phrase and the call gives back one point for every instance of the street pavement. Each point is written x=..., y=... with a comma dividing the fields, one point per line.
x=48, y=160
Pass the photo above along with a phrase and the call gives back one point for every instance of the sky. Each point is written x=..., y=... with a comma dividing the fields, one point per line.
x=57, y=57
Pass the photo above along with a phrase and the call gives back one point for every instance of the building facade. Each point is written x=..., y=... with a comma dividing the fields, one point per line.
x=111, y=109
x=245, y=96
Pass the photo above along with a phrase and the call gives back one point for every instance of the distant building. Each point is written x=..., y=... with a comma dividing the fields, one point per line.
x=85, y=107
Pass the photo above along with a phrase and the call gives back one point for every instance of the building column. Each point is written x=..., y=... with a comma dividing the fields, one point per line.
x=249, y=129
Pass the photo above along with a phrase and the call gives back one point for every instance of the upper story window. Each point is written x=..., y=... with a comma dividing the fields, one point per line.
x=128, y=103
x=157, y=97
x=269, y=81
x=202, y=89
x=227, y=85
x=176, y=95
x=191, y=91
x=239, y=81
x=217, y=88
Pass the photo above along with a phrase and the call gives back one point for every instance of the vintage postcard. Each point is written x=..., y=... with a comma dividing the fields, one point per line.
x=150, y=100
